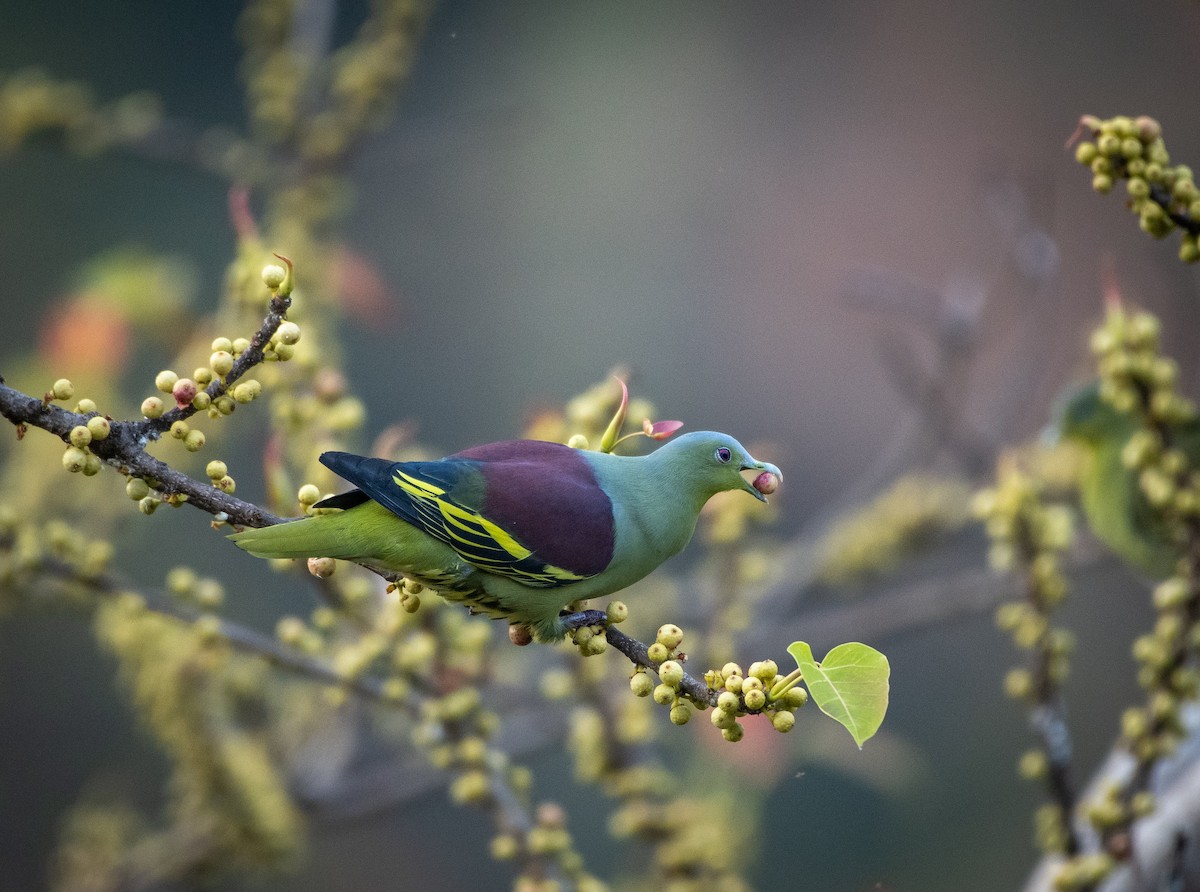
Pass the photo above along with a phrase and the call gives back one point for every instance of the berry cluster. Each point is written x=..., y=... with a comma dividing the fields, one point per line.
x=1164, y=196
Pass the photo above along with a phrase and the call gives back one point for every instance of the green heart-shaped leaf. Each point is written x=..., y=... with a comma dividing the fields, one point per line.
x=850, y=685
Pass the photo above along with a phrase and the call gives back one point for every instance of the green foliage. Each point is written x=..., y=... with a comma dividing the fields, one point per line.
x=850, y=685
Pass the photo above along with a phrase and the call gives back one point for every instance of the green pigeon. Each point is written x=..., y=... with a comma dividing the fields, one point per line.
x=519, y=529
x=1111, y=496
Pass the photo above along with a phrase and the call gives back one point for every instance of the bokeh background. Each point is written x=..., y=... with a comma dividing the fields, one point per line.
x=769, y=212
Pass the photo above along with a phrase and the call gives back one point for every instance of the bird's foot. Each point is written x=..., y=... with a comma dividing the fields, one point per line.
x=572, y=621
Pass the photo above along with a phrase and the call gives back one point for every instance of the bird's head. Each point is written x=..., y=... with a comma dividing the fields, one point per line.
x=714, y=463
x=1085, y=417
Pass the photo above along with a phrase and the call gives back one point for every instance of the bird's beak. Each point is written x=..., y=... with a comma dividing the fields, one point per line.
x=761, y=480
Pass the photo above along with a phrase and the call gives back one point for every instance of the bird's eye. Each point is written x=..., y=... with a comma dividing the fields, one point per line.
x=723, y=455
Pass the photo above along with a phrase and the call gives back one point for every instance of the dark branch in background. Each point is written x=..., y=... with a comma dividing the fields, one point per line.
x=1161, y=197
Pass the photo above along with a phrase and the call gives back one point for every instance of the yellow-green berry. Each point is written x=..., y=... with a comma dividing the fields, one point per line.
x=729, y=701
x=62, y=389
x=284, y=352
x=74, y=459
x=616, y=612
x=99, y=427
x=783, y=721
x=240, y=346
x=194, y=441
x=221, y=363
x=309, y=494
x=216, y=469
x=148, y=505
x=322, y=567
x=219, y=344
x=201, y=400
x=641, y=684
x=226, y=484
x=91, y=464
x=288, y=333
x=225, y=404
x=765, y=671
x=137, y=488
x=669, y=636
x=733, y=733
x=247, y=391
x=85, y=407
x=273, y=275
x=755, y=699
x=681, y=713
x=80, y=436
x=722, y=718
x=671, y=673
x=578, y=441
x=664, y=694
x=795, y=697
x=152, y=407
x=657, y=652
x=180, y=429
x=165, y=380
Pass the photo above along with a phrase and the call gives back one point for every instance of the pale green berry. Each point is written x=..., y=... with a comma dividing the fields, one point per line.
x=616, y=612
x=99, y=427
x=751, y=684
x=309, y=494
x=766, y=670
x=220, y=344
x=246, y=391
x=657, y=652
x=681, y=713
x=1085, y=152
x=284, y=352
x=722, y=718
x=755, y=699
x=783, y=721
x=85, y=407
x=202, y=376
x=74, y=459
x=664, y=694
x=1102, y=183
x=322, y=567
x=225, y=404
x=641, y=684
x=671, y=673
x=194, y=441
x=208, y=593
x=669, y=636
x=240, y=346
x=148, y=505
x=288, y=333
x=734, y=683
x=152, y=407
x=731, y=669
x=578, y=441
x=165, y=380
x=180, y=429
x=137, y=488
x=221, y=363
x=225, y=484
x=729, y=701
x=201, y=400
x=795, y=697
x=62, y=389
x=273, y=275
x=91, y=464
x=596, y=646
x=80, y=436
x=734, y=733
x=216, y=469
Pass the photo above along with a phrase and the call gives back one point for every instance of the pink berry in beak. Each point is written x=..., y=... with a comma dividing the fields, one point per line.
x=766, y=483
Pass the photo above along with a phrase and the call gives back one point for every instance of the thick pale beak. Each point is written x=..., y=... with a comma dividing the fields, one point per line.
x=765, y=483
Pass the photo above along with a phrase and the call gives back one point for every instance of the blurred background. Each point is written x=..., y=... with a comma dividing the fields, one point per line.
x=802, y=223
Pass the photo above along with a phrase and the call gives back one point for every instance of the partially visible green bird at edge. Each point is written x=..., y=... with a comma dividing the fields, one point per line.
x=521, y=528
x=1110, y=493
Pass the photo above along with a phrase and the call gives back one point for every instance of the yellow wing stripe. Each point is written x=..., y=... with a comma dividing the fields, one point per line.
x=478, y=539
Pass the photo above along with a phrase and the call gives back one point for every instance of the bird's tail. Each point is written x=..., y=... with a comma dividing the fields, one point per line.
x=320, y=536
